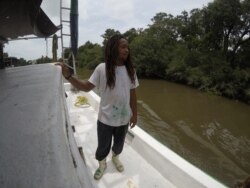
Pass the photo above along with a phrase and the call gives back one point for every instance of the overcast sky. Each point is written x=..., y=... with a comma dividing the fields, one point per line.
x=95, y=16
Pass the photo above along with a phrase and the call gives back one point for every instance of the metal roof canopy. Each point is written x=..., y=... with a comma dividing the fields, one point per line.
x=35, y=145
x=21, y=18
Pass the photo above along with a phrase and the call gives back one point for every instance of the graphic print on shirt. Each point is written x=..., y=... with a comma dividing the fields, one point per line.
x=120, y=112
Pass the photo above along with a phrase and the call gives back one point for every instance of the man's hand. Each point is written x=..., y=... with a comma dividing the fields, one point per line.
x=65, y=69
x=132, y=122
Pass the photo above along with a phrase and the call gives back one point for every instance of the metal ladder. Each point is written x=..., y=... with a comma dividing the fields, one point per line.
x=64, y=23
x=64, y=34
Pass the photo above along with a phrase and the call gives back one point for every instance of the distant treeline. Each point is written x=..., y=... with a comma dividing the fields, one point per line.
x=207, y=48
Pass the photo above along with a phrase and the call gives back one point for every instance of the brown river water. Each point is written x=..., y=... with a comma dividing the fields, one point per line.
x=211, y=132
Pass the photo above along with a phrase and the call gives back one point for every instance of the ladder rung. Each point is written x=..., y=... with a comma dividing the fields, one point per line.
x=67, y=21
x=65, y=8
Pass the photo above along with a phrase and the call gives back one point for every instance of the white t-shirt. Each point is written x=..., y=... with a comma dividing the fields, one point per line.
x=114, y=107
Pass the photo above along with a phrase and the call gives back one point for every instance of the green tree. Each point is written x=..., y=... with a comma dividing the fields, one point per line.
x=108, y=33
x=43, y=60
x=190, y=28
x=89, y=55
x=131, y=34
x=227, y=26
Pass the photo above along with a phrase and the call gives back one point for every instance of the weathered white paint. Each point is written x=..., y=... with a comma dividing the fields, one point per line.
x=36, y=149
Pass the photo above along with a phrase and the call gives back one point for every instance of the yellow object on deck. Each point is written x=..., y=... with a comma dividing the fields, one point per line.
x=81, y=100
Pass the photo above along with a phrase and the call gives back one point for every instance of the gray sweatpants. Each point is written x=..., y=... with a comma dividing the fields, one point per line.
x=105, y=134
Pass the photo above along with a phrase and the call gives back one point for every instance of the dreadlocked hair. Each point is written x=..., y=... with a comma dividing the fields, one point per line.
x=111, y=56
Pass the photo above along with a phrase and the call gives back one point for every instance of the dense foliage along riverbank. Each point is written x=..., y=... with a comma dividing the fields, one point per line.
x=207, y=48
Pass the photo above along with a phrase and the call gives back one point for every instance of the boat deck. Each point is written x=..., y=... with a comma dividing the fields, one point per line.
x=52, y=158
x=138, y=172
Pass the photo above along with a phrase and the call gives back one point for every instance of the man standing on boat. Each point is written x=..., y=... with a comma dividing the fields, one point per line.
x=116, y=81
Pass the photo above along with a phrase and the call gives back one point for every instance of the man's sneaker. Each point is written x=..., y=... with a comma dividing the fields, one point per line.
x=100, y=170
x=117, y=162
